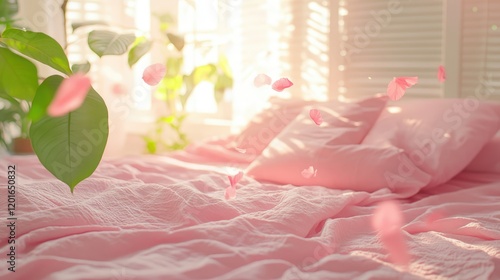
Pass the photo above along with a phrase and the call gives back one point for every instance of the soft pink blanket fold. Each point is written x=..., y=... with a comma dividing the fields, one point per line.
x=158, y=217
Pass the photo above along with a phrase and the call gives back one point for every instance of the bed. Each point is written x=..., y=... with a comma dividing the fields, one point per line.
x=169, y=216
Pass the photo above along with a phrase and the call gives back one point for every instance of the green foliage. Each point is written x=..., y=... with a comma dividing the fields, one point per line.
x=140, y=47
x=77, y=25
x=81, y=67
x=71, y=146
x=44, y=95
x=38, y=46
x=177, y=86
x=8, y=9
x=177, y=41
x=18, y=76
x=104, y=42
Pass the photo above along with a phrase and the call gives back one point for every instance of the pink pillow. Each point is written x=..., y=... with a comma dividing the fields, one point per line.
x=347, y=167
x=440, y=136
x=262, y=129
x=330, y=148
x=488, y=159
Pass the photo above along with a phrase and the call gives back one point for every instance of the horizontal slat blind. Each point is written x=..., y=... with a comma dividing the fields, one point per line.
x=383, y=39
x=282, y=38
x=480, y=59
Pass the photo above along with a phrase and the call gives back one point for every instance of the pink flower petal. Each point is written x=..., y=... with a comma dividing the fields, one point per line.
x=261, y=80
x=397, y=87
x=387, y=220
x=154, y=73
x=70, y=95
x=230, y=192
x=309, y=172
x=118, y=89
x=233, y=180
x=316, y=116
x=282, y=84
x=441, y=73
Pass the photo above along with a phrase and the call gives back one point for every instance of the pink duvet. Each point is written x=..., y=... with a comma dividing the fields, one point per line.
x=158, y=217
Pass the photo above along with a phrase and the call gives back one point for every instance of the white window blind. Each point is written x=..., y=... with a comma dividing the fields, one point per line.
x=281, y=38
x=382, y=39
x=480, y=54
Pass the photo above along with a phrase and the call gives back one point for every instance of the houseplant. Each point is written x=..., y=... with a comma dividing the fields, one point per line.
x=69, y=146
x=178, y=85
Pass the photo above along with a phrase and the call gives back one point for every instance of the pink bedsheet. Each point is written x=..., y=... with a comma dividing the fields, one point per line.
x=158, y=217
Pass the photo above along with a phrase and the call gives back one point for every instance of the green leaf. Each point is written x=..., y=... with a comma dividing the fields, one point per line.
x=150, y=145
x=139, y=49
x=18, y=76
x=38, y=46
x=174, y=65
x=224, y=65
x=103, y=42
x=77, y=25
x=189, y=83
x=44, y=96
x=81, y=67
x=203, y=73
x=223, y=82
x=169, y=119
x=71, y=146
x=176, y=40
x=8, y=8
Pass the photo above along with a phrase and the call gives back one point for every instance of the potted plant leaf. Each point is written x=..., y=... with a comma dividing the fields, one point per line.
x=70, y=145
x=177, y=86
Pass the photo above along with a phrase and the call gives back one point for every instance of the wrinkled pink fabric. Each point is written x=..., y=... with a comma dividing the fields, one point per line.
x=156, y=217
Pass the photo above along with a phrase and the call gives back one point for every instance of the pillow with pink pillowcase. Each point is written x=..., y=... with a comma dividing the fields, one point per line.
x=440, y=136
x=332, y=150
x=263, y=127
x=488, y=159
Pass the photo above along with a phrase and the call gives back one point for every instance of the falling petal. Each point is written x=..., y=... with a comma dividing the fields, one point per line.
x=397, y=87
x=118, y=89
x=316, y=116
x=70, y=95
x=233, y=180
x=261, y=80
x=387, y=220
x=230, y=192
x=282, y=84
x=309, y=172
x=441, y=74
x=154, y=73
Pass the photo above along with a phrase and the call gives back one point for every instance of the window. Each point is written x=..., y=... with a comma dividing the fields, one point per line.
x=480, y=55
x=110, y=74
